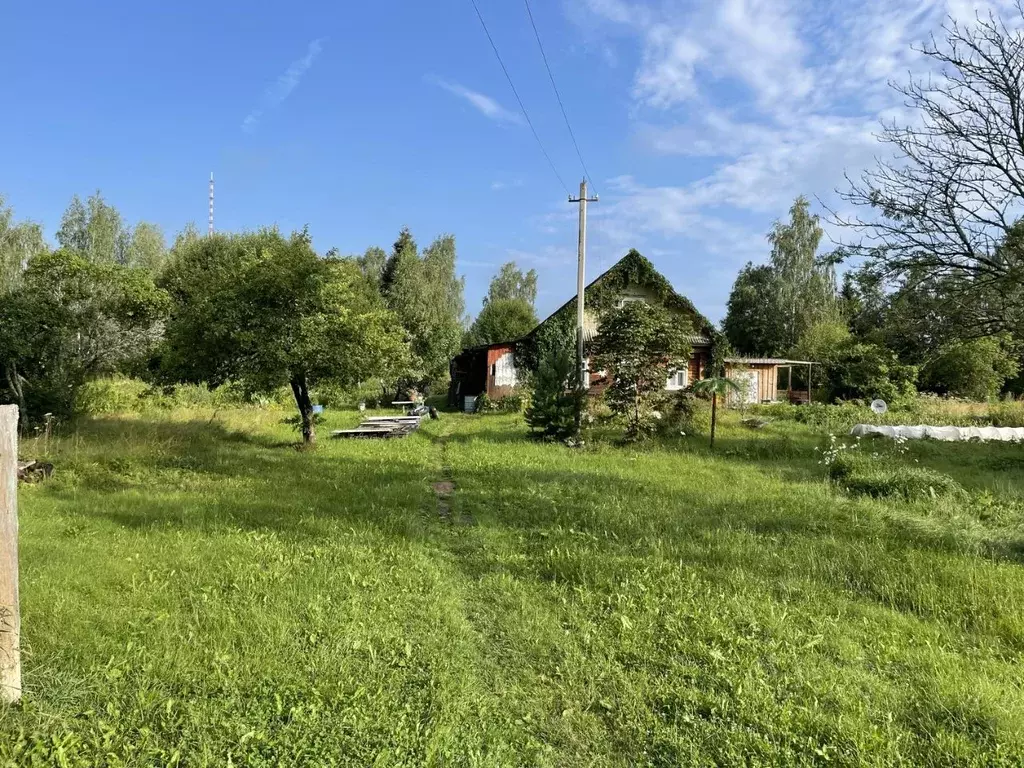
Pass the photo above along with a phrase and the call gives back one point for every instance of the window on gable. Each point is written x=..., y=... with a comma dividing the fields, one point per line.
x=624, y=300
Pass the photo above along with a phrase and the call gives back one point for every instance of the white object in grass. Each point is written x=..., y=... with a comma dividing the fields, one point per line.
x=879, y=407
x=921, y=432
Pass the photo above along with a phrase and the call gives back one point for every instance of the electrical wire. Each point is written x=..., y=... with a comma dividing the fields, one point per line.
x=558, y=96
x=522, y=106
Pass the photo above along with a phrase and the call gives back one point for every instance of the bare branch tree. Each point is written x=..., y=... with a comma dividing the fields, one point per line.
x=946, y=204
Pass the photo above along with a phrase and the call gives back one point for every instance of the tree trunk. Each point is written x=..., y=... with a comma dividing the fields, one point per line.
x=714, y=416
x=301, y=391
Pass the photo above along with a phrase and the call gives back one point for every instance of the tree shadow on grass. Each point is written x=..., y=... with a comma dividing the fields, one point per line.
x=202, y=475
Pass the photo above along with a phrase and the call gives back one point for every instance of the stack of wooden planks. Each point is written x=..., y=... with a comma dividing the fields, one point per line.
x=382, y=426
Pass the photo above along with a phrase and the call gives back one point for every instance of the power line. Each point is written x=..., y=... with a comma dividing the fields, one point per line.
x=522, y=106
x=558, y=96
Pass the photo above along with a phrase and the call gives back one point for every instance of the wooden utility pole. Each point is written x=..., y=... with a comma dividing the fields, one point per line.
x=581, y=364
x=10, y=617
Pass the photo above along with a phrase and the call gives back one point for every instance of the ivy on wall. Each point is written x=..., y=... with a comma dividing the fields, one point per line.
x=602, y=294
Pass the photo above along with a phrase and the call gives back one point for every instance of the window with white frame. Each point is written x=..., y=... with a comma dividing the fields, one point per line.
x=678, y=380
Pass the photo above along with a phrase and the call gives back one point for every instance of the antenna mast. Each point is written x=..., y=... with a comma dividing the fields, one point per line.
x=210, y=232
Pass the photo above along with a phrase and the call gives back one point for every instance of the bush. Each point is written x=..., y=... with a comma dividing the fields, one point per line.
x=867, y=371
x=975, y=369
x=685, y=412
x=121, y=394
x=113, y=395
x=864, y=476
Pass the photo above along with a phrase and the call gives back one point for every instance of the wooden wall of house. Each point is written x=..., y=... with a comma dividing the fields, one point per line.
x=768, y=378
x=698, y=364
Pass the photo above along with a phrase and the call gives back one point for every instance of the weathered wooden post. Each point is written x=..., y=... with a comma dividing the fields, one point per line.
x=10, y=617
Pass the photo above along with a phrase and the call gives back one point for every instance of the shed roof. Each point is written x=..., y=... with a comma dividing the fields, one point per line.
x=769, y=361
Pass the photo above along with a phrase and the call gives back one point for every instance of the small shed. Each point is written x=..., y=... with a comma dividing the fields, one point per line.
x=761, y=377
x=486, y=369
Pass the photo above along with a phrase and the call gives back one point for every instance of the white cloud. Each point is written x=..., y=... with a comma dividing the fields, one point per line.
x=747, y=104
x=499, y=185
x=281, y=88
x=481, y=102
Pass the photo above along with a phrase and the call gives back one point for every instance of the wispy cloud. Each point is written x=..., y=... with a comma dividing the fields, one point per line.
x=499, y=185
x=282, y=87
x=481, y=102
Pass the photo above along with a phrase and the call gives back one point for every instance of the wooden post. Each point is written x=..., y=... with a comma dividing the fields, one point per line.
x=10, y=616
x=808, y=383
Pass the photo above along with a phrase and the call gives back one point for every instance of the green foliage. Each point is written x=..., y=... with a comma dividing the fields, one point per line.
x=19, y=242
x=771, y=307
x=753, y=320
x=120, y=394
x=427, y=296
x=372, y=264
x=97, y=232
x=553, y=334
x=685, y=413
x=512, y=284
x=975, y=369
x=556, y=400
x=823, y=341
x=69, y=320
x=517, y=402
x=507, y=313
x=635, y=270
x=867, y=476
x=640, y=345
x=266, y=311
x=501, y=320
x=866, y=371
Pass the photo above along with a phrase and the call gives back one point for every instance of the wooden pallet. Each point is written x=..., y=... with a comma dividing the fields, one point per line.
x=381, y=427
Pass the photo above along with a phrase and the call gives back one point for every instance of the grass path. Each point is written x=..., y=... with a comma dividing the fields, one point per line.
x=196, y=592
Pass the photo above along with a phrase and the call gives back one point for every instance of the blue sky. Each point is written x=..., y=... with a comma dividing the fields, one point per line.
x=699, y=121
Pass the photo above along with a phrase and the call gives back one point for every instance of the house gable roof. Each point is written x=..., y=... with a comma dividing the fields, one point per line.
x=633, y=269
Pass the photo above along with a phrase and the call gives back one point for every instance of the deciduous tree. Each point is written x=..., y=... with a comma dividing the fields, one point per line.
x=266, y=311
x=946, y=205
x=641, y=346
x=19, y=241
x=501, y=320
x=512, y=283
x=771, y=306
x=71, y=319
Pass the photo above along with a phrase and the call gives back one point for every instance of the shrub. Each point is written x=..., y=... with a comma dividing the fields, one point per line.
x=975, y=369
x=113, y=395
x=867, y=371
x=864, y=476
x=120, y=394
x=685, y=412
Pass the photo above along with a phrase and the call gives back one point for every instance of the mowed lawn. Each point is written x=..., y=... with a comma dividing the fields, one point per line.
x=197, y=592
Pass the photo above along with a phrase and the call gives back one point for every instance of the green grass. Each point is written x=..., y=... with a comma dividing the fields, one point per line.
x=195, y=591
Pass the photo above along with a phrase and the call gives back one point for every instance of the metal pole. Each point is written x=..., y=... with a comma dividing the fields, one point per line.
x=10, y=616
